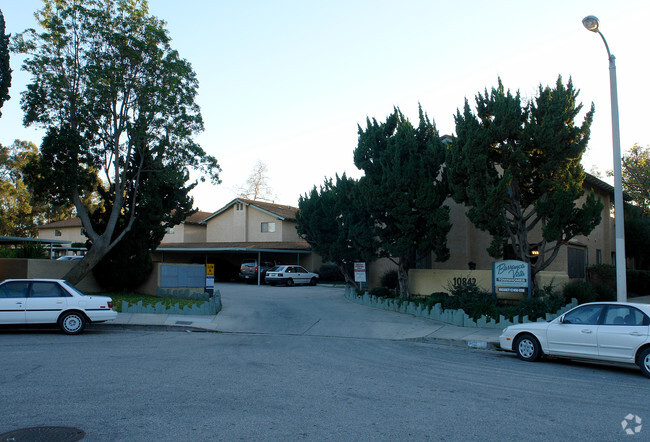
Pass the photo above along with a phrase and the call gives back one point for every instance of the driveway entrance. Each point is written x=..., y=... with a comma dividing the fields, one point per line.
x=310, y=311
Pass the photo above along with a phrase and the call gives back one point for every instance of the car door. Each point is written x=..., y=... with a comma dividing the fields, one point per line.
x=623, y=330
x=45, y=302
x=12, y=302
x=302, y=275
x=577, y=333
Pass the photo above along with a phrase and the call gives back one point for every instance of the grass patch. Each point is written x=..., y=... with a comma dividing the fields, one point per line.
x=134, y=298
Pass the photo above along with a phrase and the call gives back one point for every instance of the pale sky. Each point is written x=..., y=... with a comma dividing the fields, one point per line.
x=287, y=82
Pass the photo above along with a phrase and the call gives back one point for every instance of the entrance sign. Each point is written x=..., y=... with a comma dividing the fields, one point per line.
x=209, y=278
x=360, y=271
x=511, y=277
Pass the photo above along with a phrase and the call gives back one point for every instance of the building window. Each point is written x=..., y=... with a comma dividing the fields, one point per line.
x=239, y=206
x=599, y=256
x=57, y=233
x=577, y=262
x=268, y=227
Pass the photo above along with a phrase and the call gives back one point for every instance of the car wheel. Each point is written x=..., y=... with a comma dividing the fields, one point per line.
x=527, y=348
x=313, y=281
x=290, y=282
x=72, y=323
x=644, y=362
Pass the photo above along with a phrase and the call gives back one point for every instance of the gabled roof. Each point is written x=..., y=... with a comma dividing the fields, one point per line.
x=197, y=217
x=279, y=211
x=73, y=222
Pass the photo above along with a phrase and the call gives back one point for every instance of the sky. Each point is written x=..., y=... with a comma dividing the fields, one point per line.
x=288, y=82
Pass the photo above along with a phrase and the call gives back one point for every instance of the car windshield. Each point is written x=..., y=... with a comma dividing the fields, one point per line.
x=274, y=268
x=73, y=288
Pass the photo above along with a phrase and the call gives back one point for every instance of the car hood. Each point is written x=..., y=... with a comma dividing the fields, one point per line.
x=529, y=326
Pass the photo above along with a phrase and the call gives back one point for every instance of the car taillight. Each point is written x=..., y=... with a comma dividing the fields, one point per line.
x=110, y=304
x=279, y=275
x=255, y=269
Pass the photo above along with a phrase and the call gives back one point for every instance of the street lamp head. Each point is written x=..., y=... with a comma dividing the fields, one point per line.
x=591, y=23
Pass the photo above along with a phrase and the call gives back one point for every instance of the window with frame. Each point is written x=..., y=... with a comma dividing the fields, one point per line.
x=624, y=315
x=268, y=227
x=57, y=233
x=585, y=315
x=46, y=290
x=14, y=289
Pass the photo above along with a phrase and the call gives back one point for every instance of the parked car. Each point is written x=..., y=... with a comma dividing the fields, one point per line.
x=52, y=301
x=601, y=331
x=249, y=268
x=290, y=275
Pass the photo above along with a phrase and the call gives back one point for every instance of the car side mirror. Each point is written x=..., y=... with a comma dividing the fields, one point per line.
x=561, y=320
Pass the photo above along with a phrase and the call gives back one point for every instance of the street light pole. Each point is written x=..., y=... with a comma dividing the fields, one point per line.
x=591, y=23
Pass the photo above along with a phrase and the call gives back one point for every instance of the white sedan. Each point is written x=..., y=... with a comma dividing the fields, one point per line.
x=51, y=301
x=605, y=331
x=290, y=275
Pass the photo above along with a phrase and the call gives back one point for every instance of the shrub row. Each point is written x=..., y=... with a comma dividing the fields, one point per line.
x=477, y=302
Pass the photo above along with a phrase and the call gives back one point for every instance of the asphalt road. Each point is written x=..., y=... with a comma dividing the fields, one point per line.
x=131, y=384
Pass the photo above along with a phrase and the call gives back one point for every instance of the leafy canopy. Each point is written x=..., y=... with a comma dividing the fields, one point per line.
x=516, y=166
x=5, y=69
x=112, y=94
x=403, y=189
x=336, y=225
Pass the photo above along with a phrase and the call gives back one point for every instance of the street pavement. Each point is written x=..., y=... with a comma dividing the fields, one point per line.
x=316, y=311
x=313, y=311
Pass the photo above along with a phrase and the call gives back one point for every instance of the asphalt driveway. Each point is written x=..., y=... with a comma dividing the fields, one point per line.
x=310, y=311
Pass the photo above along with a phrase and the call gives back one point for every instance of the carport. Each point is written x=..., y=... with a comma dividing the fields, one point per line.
x=16, y=240
x=234, y=253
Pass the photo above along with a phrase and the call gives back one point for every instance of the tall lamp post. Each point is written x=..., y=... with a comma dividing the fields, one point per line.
x=591, y=23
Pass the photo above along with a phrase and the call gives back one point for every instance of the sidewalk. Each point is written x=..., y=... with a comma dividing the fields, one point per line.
x=444, y=333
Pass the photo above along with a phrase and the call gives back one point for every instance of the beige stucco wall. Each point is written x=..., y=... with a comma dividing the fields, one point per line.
x=469, y=244
x=195, y=233
x=177, y=236
x=228, y=226
x=245, y=225
x=426, y=282
x=72, y=234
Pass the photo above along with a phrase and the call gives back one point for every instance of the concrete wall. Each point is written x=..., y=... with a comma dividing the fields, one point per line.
x=44, y=268
x=425, y=282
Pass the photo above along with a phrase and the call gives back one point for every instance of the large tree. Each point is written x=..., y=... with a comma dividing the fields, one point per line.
x=636, y=177
x=516, y=166
x=337, y=226
x=5, y=69
x=20, y=210
x=110, y=90
x=403, y=190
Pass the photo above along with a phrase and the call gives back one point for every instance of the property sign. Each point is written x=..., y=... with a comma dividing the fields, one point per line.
x=360, y=271
x=511, y=277
x=209, y=278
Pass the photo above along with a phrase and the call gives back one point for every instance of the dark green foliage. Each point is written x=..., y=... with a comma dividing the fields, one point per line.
x=163, y=202
x=29, y=250
x=403, y=189
x=603, y=278
x=583, y=291
x=125, y=101
x=516, y=166
x=390, y=279
x=330, y=272
x=5, y=69
x=637, y=235
x=335, y=224
x=382, y=292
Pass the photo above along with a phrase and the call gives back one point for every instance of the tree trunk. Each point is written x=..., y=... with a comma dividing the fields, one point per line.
x=90, y=260
x=346, y=275
x=403, y=278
